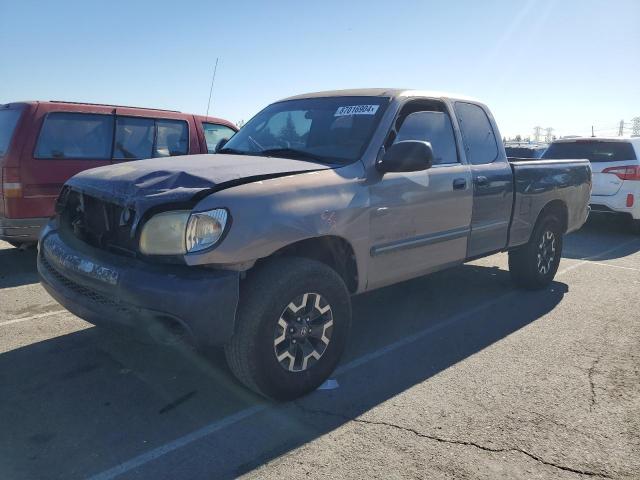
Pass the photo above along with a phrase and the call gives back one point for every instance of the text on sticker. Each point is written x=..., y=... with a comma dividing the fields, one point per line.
x=356, y=110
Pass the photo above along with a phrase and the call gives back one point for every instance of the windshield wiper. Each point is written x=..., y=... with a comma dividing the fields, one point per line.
x=292, y=152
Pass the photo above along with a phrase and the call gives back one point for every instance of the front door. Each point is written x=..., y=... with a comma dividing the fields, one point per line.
x=419, y=221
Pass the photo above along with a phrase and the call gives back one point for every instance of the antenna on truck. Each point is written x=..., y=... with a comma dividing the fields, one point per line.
x=213, y=79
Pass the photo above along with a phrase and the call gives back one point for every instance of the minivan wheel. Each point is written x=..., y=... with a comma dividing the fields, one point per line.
x=635, y=226
x=534, y=265
x=293, y=320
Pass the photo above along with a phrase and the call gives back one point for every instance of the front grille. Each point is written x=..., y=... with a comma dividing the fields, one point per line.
x=88, y=293
x=96, y=222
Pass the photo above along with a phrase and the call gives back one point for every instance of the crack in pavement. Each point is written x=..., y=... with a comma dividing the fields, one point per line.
x=590, y=372
x=454, y=441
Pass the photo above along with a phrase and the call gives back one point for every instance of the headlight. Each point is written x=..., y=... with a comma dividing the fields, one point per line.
x=204, y=229
x=180, y=232
x=163, y=234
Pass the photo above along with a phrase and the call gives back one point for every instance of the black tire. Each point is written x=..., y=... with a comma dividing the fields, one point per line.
x=635, y=226
x=266, y=297
x=528, y=270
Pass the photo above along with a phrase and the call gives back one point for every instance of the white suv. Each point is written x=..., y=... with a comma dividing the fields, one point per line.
x=615, y=163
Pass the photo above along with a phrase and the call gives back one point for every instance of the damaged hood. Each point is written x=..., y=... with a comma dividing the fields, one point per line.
x=142, y=184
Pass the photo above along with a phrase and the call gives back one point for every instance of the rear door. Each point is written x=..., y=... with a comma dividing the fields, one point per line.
x=65, y=140
x=492, y=180
x=603, y=155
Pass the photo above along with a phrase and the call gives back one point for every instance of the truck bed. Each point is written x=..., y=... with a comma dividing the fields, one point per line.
x=538, y=182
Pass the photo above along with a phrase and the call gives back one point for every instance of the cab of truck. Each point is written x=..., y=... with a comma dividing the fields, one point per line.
x=43, y=144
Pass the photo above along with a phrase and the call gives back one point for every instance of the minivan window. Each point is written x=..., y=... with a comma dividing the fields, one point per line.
x=134, y=138
x=75, y=135
x=172, y=138
x=592, y=150
x=213, y=133
x=478, y=135
x=8, y=121
x=432, y=127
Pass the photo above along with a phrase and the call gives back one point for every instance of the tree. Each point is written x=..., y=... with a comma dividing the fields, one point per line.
x=518, y=138
x=288, y=131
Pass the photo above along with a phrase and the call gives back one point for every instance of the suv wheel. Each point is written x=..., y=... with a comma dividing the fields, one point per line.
x=293, y=321
x=534, y=265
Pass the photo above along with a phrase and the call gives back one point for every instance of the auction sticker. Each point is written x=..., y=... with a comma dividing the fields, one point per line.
x=356, y=110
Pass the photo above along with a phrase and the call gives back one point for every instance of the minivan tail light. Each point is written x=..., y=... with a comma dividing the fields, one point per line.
x=11, y=186
x=624, y=173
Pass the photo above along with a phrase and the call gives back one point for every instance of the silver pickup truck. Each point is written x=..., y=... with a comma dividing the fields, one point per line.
x=259, y=247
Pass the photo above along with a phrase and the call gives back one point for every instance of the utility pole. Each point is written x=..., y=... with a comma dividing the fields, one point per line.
x=621, y=129
x=537, y=131
x=635, y=126
x=548, y=135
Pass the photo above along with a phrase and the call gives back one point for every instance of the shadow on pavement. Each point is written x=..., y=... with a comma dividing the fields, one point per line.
x=82, y=403
x=17, y=267
x=600, y=233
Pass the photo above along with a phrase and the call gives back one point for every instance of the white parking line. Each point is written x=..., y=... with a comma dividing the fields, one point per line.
x=185, y=440
x=32, y=317
x=615, y=266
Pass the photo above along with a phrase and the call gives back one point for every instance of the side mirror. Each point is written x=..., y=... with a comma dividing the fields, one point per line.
x=220, y=145
x=407, y=156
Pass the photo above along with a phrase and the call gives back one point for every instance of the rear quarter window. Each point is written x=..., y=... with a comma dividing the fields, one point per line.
x=594, y=151
x=8, y=121
x=67, y=135
x=478, y=135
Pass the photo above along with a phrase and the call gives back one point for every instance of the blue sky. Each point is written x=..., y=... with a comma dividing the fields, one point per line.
x=567, y=64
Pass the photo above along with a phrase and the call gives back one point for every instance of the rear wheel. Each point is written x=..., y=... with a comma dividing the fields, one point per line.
x=635, y=226
x=534, y=265
x=293, y=321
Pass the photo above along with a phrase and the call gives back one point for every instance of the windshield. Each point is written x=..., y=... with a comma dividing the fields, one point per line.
x=335, y=129
x=8, y=121
x=595, y=151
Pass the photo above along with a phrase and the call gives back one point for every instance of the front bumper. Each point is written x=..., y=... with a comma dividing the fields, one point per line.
x=108, y=289
x=21, y=229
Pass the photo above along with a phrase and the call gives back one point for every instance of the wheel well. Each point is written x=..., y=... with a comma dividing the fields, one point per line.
x=559, y=209
x=333, y=251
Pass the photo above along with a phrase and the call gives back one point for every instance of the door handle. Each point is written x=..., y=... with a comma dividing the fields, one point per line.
x=459, y=184
x=382, y=211
x=482, y=181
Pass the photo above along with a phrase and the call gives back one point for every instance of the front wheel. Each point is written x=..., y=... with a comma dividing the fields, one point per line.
x=534, y=265
x=292, y=324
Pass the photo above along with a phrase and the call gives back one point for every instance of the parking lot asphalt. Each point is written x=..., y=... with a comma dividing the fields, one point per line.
x=454, y=375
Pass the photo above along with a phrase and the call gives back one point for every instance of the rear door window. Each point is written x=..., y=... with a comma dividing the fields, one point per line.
x=213, y=133
x=67, y=135
x=134, y=138
x=595, y=151
x=432, y=127
x=8, y=121
x=478, y=135
x=172, y=138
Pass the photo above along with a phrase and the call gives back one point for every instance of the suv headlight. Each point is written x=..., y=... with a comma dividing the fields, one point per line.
x=179, y=232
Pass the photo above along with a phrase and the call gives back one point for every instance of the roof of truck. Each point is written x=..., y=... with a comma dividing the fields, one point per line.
x=381, y=92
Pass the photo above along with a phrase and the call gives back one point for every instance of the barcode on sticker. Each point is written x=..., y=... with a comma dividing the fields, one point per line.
x=356, y=110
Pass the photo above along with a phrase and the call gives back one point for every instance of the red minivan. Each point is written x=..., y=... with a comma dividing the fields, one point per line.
x=42, y=144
